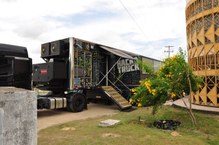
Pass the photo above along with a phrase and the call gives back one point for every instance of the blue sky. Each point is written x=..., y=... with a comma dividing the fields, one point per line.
x=33, y=22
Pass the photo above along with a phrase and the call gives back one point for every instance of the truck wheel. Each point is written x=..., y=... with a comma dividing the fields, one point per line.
x=76, y=103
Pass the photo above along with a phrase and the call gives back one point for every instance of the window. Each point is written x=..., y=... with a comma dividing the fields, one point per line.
x=207, y=22
x=193, y=28
x=200, y=6
x=201, y=63
x=210, y=62
x=216, y=20
x=215, y=3
x=217, y=61
x=199, y=25
x=207, y=4
x=216, y=38
x=207, y=41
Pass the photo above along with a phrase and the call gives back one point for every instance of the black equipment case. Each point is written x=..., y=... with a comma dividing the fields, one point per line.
x=15, y=66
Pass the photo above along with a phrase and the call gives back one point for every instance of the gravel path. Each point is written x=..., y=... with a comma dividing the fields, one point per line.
x=47, y=118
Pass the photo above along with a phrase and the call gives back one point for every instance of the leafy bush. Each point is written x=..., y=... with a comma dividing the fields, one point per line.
x=171, y=81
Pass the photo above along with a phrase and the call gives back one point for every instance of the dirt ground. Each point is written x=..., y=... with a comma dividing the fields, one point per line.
x=47, y=118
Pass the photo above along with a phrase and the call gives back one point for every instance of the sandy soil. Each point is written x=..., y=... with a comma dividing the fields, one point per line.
x=47, y=118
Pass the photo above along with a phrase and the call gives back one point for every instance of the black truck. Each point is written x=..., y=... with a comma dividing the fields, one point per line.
x=76, y=72
x=15, y=66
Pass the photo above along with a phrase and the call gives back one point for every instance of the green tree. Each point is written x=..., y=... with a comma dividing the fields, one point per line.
x=174, y=79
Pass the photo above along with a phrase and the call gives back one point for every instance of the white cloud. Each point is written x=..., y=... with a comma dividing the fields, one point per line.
x=8, y=1
x=30, y=23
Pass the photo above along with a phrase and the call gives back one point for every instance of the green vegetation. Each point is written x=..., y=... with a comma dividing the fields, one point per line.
x=131, y=131
x=172, y=80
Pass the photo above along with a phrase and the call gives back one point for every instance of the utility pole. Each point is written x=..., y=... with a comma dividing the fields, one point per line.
x=168, y=51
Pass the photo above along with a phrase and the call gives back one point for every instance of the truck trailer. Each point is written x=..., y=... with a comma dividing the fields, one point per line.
x=76, y=72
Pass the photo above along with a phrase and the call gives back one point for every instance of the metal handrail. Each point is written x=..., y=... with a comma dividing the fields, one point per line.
x=120, y=82
x=109, y=71
x=119, y=77
x=113, y=84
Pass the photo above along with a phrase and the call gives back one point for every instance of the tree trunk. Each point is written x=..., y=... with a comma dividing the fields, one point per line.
x=189, y=110
x=190, y=102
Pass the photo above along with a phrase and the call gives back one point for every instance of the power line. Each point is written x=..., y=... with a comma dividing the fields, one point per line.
x=133, y=18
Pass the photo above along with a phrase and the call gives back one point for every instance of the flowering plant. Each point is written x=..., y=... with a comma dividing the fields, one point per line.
x=168, y=83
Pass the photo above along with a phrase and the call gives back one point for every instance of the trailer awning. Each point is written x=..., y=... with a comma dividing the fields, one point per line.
x=118, y=52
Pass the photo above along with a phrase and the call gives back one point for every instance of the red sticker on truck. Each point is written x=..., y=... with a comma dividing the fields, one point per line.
x=43, y=72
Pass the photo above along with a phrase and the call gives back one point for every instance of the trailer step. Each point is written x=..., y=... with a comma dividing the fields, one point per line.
x=116, y=97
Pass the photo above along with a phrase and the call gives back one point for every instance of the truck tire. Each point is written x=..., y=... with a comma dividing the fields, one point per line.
x=76, y=102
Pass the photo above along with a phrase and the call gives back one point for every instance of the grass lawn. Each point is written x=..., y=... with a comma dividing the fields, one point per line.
x=131, y=132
